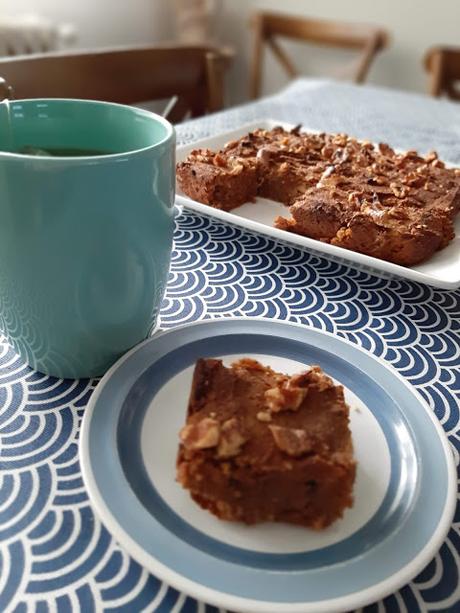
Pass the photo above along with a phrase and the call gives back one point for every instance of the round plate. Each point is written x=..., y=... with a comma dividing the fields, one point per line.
x=405, y=488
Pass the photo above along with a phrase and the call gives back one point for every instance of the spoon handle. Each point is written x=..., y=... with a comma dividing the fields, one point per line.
x=6, y=91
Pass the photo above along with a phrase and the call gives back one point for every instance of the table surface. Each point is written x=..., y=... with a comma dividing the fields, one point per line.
x=54, y=553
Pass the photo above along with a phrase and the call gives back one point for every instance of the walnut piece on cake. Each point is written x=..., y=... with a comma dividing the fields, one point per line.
x=262, y=446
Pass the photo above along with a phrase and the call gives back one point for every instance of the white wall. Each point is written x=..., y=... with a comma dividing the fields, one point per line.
x=415, y=25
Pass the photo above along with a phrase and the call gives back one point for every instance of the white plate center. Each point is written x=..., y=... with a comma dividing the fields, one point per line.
x=159, y=442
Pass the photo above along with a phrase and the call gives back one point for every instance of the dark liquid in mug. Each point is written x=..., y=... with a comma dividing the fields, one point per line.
x=62, y=152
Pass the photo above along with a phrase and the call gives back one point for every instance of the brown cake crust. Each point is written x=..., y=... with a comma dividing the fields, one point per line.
x=261, y=446
x=370, y=199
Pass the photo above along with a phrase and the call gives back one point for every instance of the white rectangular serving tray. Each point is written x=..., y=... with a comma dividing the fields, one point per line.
x=442, y=270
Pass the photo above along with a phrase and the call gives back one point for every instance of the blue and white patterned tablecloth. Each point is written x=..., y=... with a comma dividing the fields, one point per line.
x=54, y=554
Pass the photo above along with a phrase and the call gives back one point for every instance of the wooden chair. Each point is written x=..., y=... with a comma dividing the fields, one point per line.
x=443, y=64
x=368, y=40
x=191, y=76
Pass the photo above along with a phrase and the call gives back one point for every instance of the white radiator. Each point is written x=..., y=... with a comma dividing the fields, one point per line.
x=32, y=34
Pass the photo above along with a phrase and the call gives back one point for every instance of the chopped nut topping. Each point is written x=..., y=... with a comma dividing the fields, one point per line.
x=285, y=398
x=399, y=191
x=354, y=196
x=413, y=180
x=409, y=154
x=340, y=140
x=264, y=155
x=328, y=151
x=373, y=211
x=264, y=416
x=314, y=376
x=237, y=169
x=385, y=149
x=292, y=441
x=202, y=435
x=431, y=156
x=231, y=439
x=219, y=160
x=289, y=395
x=397, y=213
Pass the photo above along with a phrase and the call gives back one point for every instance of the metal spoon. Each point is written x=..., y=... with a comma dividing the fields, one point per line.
x=6, y=91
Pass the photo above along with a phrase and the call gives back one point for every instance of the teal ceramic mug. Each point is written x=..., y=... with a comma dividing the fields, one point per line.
x=85, y=240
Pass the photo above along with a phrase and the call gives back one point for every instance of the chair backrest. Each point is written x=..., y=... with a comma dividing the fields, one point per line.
x=443, y=64
x=192, y=76
x=366, y=39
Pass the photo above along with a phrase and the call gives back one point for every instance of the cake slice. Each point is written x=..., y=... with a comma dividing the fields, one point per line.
x=224, y=181
x=397, y=207
x=260, y=446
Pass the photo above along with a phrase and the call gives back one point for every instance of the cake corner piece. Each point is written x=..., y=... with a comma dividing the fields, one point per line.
x=216, y=179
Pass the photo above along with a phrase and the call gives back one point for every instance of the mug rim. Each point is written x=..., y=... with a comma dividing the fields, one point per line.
x=109, y=156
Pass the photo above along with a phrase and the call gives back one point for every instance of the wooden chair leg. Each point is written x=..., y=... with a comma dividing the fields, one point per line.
x=436, y=74
x=215, y=67
x=282, y=57
x=365, y=61
x=257, y=59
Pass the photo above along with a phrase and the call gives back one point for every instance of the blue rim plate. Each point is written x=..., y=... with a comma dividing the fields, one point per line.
x=405, y=490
